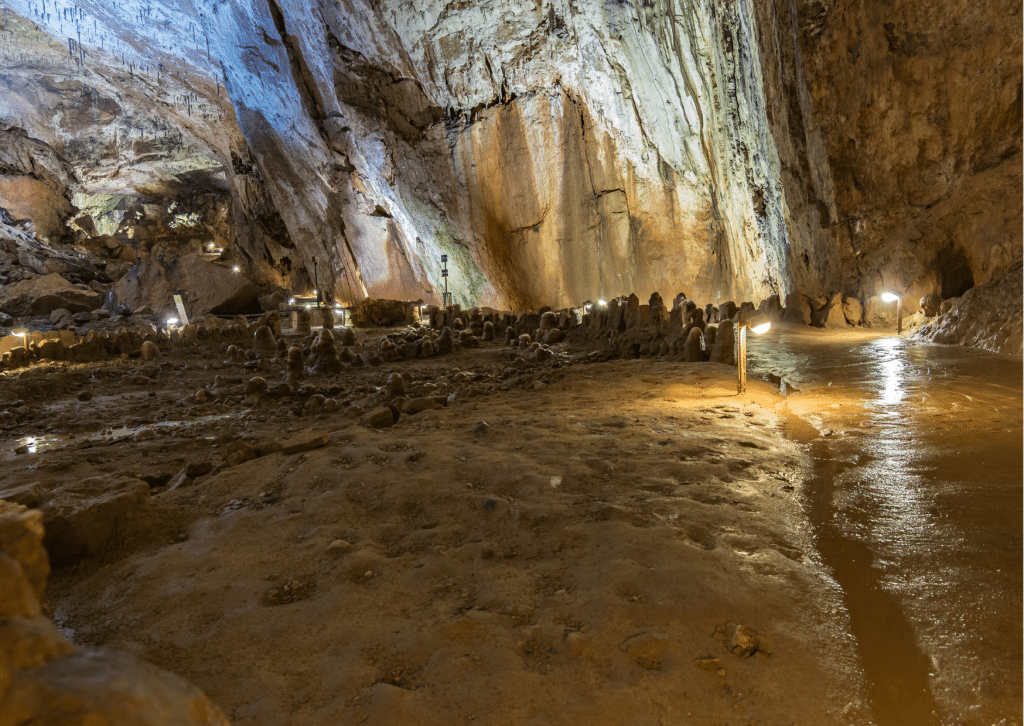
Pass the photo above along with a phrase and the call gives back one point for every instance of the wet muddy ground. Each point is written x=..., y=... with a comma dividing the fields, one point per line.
x=915, y=499
x=628, y=541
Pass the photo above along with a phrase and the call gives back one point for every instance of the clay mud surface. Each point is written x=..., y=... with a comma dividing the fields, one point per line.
x=580, y=540
x=623, y=541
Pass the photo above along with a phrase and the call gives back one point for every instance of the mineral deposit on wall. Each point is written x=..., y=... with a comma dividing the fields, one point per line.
x=556, y=151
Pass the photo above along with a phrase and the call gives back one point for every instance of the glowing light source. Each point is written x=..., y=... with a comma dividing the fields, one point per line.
x=292, y=301
x=759, y=323
x=602, y=303
x=893, y=297
x=235, y=268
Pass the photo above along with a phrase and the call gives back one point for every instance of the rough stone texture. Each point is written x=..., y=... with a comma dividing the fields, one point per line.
x=554, y=153
x=989, y=316
x=45, y=680
x=305, y=442
x=43, y=295
x=99, y=687
x=34, y=183
x=81, y=518
x=205, y=288
x=918, y=107
x=381, y=313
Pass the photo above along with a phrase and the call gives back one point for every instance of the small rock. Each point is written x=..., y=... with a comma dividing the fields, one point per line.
x=338, y=547
x=239, y=452
x=707, y=663
x=198, y=468
x=395, y=386
x=181, y=479
x=480, y=427
x=145, y=435
x=380, y=418
x=84, y=396
x=306, y=441
x=416, y=405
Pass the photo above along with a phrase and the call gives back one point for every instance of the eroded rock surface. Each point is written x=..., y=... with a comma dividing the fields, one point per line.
x=46, y=680
x=989, y=316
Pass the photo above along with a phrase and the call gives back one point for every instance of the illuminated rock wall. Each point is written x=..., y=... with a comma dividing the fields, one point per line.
x=560, y=151
x=556, y=152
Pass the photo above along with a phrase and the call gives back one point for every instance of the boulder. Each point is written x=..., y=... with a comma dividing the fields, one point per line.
x=382, y=313
x=771, y=307
x=989, y=316
x=101, y=687
x=206, y=287
x=931, y=304
x=853, y=311
x=798, y=309
x=43, y=295
x=81, y=518
x=833, y=315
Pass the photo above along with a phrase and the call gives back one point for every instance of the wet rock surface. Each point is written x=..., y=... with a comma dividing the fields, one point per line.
x=988, y=317
x=490, y=462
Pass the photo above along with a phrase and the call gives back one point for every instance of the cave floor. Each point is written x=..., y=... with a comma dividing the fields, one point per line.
x=629, y=541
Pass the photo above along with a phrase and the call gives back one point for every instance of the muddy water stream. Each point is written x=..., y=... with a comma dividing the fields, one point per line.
x=915, y=499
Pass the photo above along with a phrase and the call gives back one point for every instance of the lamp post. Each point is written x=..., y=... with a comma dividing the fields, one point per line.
x=444, y=274
x=893, y=297
x=759, y=323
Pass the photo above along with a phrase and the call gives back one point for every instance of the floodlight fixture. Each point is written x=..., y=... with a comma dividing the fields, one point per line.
x=759, y=323
x=893, y=297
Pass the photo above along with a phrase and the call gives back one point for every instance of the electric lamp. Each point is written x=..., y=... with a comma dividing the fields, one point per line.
x=893, y=297
x=759, y=323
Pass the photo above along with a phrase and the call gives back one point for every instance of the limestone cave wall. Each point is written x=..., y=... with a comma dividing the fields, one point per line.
x=557, y=150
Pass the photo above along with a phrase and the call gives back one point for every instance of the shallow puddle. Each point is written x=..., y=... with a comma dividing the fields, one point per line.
x=40, y=444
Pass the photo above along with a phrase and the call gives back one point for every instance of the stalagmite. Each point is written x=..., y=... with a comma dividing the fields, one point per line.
x=295, y=364
x=327, y=360
x=264, y=345
x=724, y=350
x=302, y=322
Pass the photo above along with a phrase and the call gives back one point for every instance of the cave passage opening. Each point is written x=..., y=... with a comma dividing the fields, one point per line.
x=955, y=273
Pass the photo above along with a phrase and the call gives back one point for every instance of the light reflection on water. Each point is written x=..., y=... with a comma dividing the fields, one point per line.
x=39, y=444
x=936, y=495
